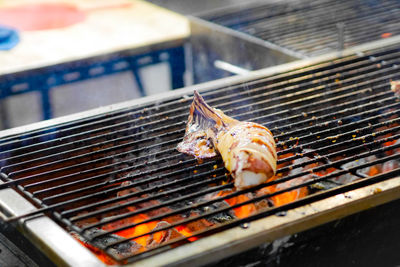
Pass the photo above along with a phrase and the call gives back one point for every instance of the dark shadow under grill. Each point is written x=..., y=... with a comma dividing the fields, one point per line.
x=105, y=177
x=311, y=27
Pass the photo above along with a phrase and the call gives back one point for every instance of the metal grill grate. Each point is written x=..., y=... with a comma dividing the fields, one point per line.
x=312, y=27
x=336, y=125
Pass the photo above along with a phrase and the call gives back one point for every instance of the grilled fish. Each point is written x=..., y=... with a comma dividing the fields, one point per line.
x=395, y=87
x=248, y=149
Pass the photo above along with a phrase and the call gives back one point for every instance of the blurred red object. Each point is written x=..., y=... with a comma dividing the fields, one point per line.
x=43, y=16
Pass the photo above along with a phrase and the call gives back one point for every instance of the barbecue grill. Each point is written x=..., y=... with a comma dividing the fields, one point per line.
x=110, y=184
x=265, y=33
x=311, y=27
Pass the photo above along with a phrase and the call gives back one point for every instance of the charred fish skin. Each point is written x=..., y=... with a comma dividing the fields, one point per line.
x=248, y=149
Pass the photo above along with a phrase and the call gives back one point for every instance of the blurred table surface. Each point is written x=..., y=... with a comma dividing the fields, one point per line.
x=109, y=26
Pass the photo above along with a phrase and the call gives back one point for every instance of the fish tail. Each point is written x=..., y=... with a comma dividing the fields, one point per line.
x=204, y=123
x=201, y=110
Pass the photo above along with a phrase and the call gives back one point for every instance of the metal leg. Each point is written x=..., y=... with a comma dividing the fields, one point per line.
x=139, y=83
x=177, y=65
x=46, y=105
x=5, y=124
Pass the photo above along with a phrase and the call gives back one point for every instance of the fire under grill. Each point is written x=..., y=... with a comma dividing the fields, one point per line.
x=313, y=27
x=117, y=184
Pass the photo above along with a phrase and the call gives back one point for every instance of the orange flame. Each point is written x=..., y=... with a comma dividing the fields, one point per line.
x=287, y=155
x=190, y=228
x=388, y=143
x=386, y=35
x=290, y=196
x=184, y=230
x=287, y=197
x=325, y=172
x=242, y=211
x=373, y=170
x=137, y=230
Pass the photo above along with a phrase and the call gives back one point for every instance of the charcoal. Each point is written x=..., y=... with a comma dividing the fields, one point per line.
x=348, y=177
x=120, y=250
x=219, y=217
x=324, y=185
x=167, y=235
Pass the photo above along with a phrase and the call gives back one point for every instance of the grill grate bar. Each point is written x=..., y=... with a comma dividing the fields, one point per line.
x=311, y=29
x=318, y=103
x=383, y=98
x=85, y=125
x=122, y=179
x=279, y=105
x=329, y=66
x=113, y=190
x=351, y=36
x=290, y=177
x=109, y=141
x=317, y=92
x=360, y=147
x=253, y=14
x=255, y=199
x=138, y=193
x=108, y=191
x=341, y=14
x=125, y=178
x=290, y=29
x=359, y=130
x=297, y=203
x=91, y=154
x=84, y=134
x=164, y=204
x=175, y=141
x=330, y=37
x=310, y=136
x=51, y=130
x=349, y=117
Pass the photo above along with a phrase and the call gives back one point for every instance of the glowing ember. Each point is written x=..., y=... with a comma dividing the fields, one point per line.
x=242, y=211
x=138, y=226
x=134, y=231
x=386, y=35
x=186, y=232
x=118, y=251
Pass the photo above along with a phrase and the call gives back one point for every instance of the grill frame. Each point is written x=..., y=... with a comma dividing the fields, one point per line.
x=262, y=230
x=244, y=28
x=206, y=49
x=299, y=21
x=45, y=233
